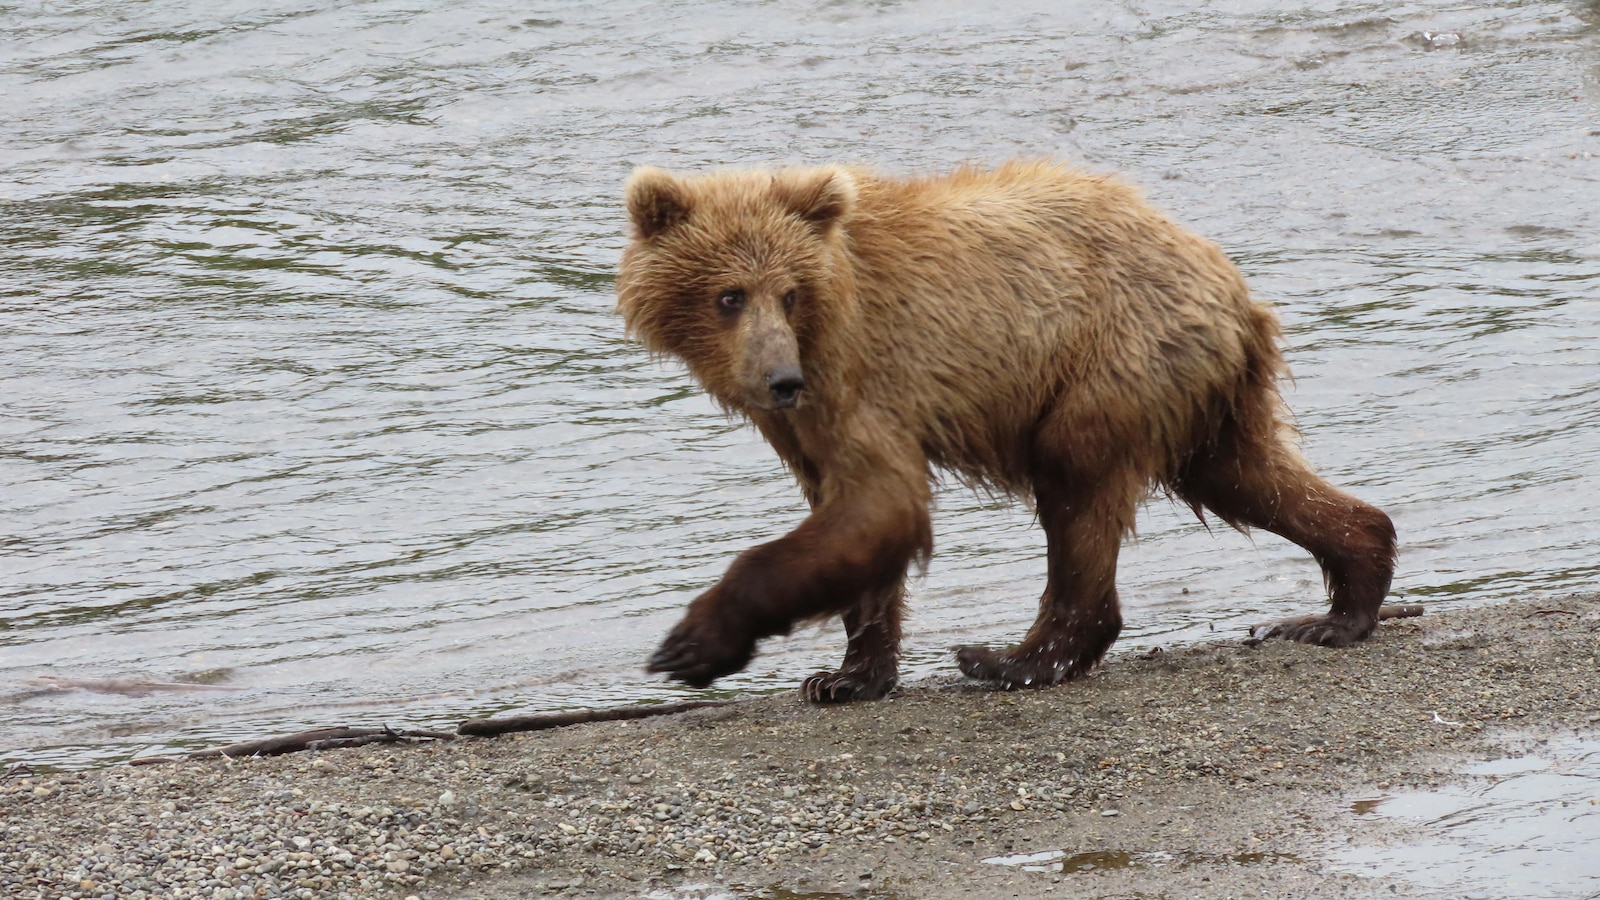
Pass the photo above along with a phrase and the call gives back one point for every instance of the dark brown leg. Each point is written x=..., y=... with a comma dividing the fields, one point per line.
x=1257, y=479
x=858, y=546
x=1084, y=520
x=872, y=659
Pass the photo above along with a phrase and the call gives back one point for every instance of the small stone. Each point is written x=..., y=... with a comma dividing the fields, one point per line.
x=448, y=798
x=1108, y=813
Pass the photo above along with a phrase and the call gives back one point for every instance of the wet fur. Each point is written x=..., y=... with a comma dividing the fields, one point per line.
x=1033, y=330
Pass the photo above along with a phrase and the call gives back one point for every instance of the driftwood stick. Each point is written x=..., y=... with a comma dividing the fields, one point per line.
x=1410, y=611
x=319, y=739
x=490, y=727
x=345, y=736
x=387, y=737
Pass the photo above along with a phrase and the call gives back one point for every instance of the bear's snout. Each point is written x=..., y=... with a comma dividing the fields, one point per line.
x=785, y=383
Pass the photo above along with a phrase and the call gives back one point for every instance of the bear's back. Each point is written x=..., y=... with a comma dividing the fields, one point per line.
x=1000, y=291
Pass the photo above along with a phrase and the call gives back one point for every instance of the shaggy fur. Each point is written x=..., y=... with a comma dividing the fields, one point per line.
x=1032, y=330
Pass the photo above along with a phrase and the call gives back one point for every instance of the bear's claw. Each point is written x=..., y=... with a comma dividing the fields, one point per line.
x=679, y=662
x=694, y=655
x=845, y=686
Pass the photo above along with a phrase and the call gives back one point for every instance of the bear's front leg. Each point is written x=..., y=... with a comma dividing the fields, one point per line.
x=872, y=661
x=841, y=553
x=1084, y=516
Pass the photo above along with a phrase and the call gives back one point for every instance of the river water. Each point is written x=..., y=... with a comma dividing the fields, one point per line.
x=314, y=397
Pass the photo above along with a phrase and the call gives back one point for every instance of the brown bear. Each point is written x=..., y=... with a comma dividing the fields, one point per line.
x=1031, y=329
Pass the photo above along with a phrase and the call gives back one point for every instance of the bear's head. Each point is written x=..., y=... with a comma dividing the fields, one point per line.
x=740, y=275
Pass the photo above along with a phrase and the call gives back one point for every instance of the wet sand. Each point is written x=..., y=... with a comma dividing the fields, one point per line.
x=1215, y=770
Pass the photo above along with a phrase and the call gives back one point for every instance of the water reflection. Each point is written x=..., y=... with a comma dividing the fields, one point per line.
x=1525, y=825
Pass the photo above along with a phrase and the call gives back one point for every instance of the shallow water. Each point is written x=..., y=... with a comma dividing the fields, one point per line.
x=313, y=392
x=722, y=892
x=1062, y=862
x=1525, y=826
x=1519, y=826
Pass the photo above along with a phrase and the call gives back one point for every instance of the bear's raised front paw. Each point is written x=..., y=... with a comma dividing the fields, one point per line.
x=1327, y=630
x=844, y=686
x=697, y=653
x=1010, y=671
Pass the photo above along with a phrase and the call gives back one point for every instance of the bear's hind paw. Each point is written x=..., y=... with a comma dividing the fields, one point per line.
x=1011, y=672
x=1328, y=630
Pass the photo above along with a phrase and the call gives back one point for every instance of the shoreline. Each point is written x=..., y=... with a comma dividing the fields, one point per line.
x=1235, y=764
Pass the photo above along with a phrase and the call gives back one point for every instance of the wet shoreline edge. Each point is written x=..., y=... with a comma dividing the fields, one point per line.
x=1219, y=751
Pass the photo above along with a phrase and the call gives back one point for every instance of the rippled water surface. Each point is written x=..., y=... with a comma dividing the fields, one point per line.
x=315, y=408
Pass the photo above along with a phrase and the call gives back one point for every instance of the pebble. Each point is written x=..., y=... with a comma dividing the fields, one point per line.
x=770, y=782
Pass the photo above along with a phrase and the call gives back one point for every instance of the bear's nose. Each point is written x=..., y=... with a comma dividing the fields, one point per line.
x=785, y=384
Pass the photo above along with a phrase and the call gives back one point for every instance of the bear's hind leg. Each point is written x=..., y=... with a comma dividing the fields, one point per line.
x=872, y=658
x=1256, y=479
x=1084, y=521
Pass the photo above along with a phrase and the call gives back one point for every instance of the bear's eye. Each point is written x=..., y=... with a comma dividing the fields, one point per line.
x=789, y=299
x=730, y=301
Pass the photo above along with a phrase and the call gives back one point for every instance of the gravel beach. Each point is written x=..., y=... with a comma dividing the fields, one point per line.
x=1233, y=766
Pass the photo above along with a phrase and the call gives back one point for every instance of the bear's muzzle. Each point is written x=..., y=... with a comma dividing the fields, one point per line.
x=785, y=383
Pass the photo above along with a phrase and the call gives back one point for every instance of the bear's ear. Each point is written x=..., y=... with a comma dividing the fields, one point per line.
x=656, y=201
x=822, y=197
